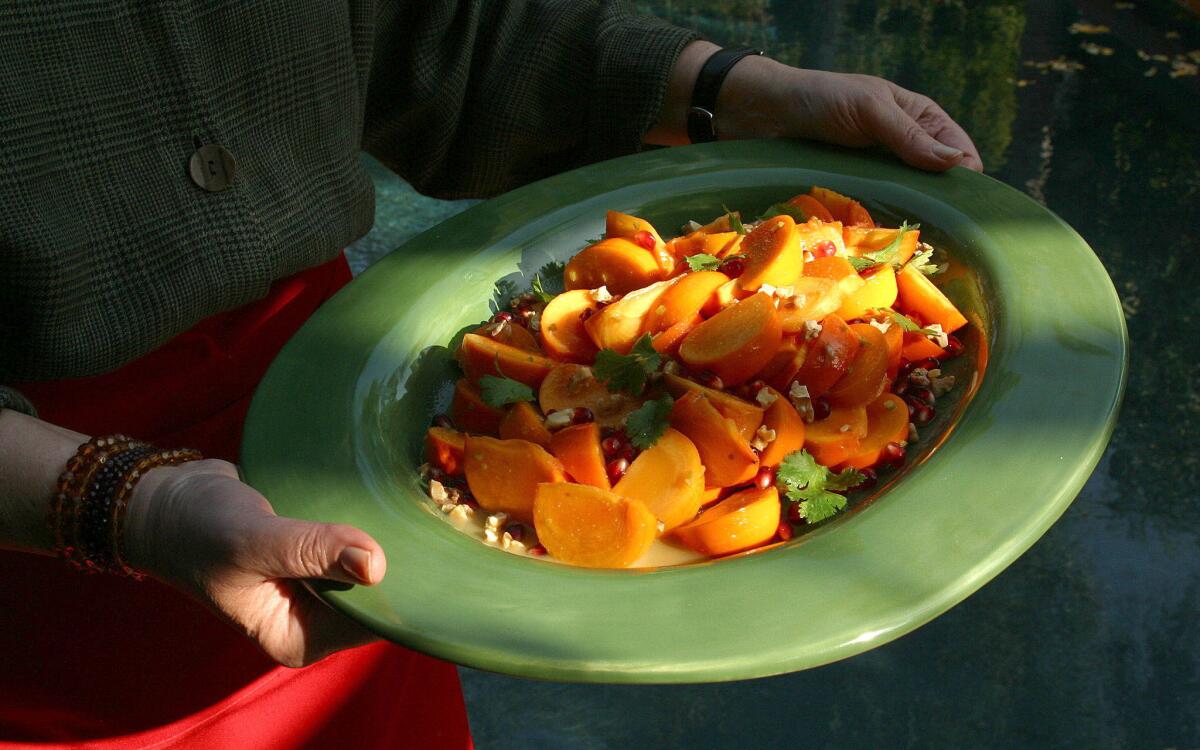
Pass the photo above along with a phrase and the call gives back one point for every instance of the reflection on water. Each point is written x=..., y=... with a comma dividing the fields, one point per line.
x=1088, y=639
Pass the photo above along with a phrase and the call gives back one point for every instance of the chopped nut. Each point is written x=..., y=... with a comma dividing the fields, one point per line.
x=461, y=512
x=765, y=397
x=437, y=491
x=691, y=226
x=881, y=326
x=844, y=428
x=762, y=438
x=559, y=418
x=812, y=329
x=496, y=520
x=491, y=536
x=941, y=386
x=767, y=289
x=912, y=433
x=447, y=507
x=798, y=390
x=661, y=527
x=601, y=295
x=506, y=540
x=938, y=336
x=671, y=367
x=515, y=546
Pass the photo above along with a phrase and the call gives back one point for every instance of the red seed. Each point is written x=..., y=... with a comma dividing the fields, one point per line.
x=823, y=249
x=921, y=396
x=870, y=479
x=611, y=445
x=784, y=531
x=516, y=531
x=765, y=478
x=954, y=346
x=893, y=454
x=582, y=415
x=627, y=452
x=922, y=415
x=616, y=469
x=821, y=408
x=537, y=550
x=504, y=316
x=710, y=379
x=732, y=267
x=793, y=513
x=645, y=239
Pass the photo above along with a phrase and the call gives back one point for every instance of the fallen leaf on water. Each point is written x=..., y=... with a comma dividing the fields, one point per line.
x=1172, y=35
x=1083, y=27
x=1095, y=49
x=1124, y=6
x=1150, y=72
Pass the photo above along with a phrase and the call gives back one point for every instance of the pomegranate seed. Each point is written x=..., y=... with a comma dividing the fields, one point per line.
x=733, y=267
x=611, y=445
x=710, y=379
x=784, y=531
x=753, y=387
x=921, y=396
x=922, y=415
x=893, y=454
x=645, y=239
x=620, y=434
x=524, y=314
x=821, y=408
x=954, y=346
x=516, y=531
x=900, y=386
x=765, y=478
x=870, y=479
x=793, y=514
x=443, y=420
x=582, y=415
x=616, y=469
x=627, y=452
x=504, y=316
x=537, y=550
x=824, y=249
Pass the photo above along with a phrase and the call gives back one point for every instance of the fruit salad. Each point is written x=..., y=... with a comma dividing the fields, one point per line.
x=716, y=392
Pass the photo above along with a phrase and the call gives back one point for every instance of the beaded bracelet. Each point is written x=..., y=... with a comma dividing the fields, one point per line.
x=87, y=512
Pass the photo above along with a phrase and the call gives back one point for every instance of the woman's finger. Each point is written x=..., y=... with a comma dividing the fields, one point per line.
x=933, y=120
x=895, y=129
x=291, y=548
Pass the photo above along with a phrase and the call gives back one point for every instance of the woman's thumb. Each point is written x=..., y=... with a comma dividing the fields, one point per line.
x=291, y=548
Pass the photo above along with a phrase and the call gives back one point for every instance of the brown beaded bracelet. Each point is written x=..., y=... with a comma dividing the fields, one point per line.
x=87, y=511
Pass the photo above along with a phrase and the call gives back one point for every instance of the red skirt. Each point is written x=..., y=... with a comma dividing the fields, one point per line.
x=105, y=662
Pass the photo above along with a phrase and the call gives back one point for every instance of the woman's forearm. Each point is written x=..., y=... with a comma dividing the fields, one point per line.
x=33, y=454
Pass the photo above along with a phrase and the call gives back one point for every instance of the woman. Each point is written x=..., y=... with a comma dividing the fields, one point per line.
x=176, y=192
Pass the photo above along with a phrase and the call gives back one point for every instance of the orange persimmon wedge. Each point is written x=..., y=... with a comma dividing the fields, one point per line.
x=726, y=454
x=887, y=422
x=717, y=244
x=827, y=357
x=584, y=525
x=846, y=210
x=668, y=478
x=444, y=449
x=836, y=268
x=470, y=412
x=773, y=254
x=504, y=474
x=861, y=240
x=570, y=385
x=642, y=233
x=683, y=300
x=736, y=342
x=740, y=522
x=668, y=341
x=481, y=356
x=562, y=331
x=918, y=346
x=617, y=263
x=866, y=376
x=778, y=373
x=619, y=325
x=578, y=448
x=919, y=295
x=813, y=298
x=522, y=422
x=722, y=297
x=836, y=438
x=878, y=290
x=745, y=415
x=510, y=334
x=789, y=429
x=811, y=207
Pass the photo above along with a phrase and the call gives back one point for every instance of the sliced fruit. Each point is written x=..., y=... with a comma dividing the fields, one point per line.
x=919, y=295
x=444, y=449
x=789, y=430
x=815, y=233
x=668, y=478
x=846, y=210
x=736, y=342
x=716, y=244
x=861, y=240
x=740, y=522
x=570, y=385
x=668, y=341
x=778, y=373
x=773, y=254
x=811, y=207
x=722, y=297
x=562, y=332
x=683, y=300
x=720, y=224
x=523, y=422
x=866, y=376
x=918, y=346
x=887, y=422
x=836, y=268
x=619, y=325
x=588, y=526
x=504, y=474
x=827, y=357
x=745, y=415
x=578, y=448
x=511, y=334
x=710, y=496
x=617, y=263
x=834, y=439
x=727, y=457
x=469, y=411
x=878, y=290
x=814, y=298
x=481, y=356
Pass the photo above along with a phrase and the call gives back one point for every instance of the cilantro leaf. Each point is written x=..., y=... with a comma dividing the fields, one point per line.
x=735, y=220
x=551, y=276
x=884, y=254
x=646, y=424
x=703, y=262
x=538, y=291
x=627, y=372
x=861, y=264
x=498, y=392
x=785, y=209
x=811, y=485
x=907, y=323
x=923, y=262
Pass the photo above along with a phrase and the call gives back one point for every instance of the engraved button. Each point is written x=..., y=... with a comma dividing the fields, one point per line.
x=212, y=167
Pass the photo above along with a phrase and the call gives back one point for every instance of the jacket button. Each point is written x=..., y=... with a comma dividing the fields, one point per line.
x=212, y=167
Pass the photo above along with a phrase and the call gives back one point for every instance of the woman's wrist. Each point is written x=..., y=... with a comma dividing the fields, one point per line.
x=33, y=455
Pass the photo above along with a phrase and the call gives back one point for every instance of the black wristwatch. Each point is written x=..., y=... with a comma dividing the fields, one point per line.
x=702, y=112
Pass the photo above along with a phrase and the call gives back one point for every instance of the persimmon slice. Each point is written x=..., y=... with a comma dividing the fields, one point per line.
x=887, y=422
x=773, y=254
x=617, y=263
x=861, y=240
x=578, y=448
x=813, y=298
x=444, y=449
x=745, y=415
x=668, y=341
x=878, y=290
x=504, y=474
x=683, y=300
x=570, y=385
x=481, y=356
x=727, y=457
x=562, y=332
x=828, y=356
x=619, y=325
x=471, y=413
x=742, y=521
x=522, y=422
x=584, y=525
x=835, y=438
x=919, y=295
x=866, y=376
x=736, y=342
x=844, y=209
x=917, y=346
x=785, y=421
x=668, y=478
x=511, y=334
x=836, y=268
x=811, y=207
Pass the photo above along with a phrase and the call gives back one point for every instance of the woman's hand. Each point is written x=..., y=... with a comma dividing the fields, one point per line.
x=199, y=528
x=762, y=98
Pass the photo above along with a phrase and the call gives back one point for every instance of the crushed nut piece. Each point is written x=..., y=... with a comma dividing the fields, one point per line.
x=601, y=295
x=881, y=326
x=559, y=418
x=461, y=512
x=765, y=397
x=762, y=438
x=491, y=536
x=912, y=433
x=496, y=520
x=812, y=329
x=941, y=386
x=437, y=491
x=844, y=428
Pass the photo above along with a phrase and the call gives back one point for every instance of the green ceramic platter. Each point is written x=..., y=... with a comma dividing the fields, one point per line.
x=336, y=429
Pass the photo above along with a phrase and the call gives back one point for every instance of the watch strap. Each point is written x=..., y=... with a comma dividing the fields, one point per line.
x=702, y=113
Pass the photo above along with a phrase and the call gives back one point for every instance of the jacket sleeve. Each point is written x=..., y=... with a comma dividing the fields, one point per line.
x=472, y=98
x=11, y=399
